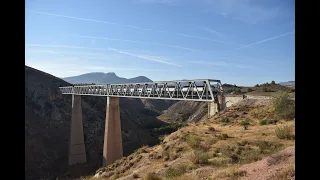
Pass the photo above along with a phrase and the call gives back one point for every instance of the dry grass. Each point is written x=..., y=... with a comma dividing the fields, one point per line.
x=186, y=177
x=176, y=171
x=220, y=161
x=199, y=157
x=231, y=173
x=153, y=176
x=135, y=175
x=284, y=132
x=286, y=174
x=278, y=157
x=193, y=141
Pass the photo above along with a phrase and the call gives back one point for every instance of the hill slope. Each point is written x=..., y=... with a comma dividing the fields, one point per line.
x=47, y=126
x=107, y=78
x=218, y=148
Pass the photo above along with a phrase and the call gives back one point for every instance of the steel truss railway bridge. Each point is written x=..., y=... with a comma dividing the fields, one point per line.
x=203, y=90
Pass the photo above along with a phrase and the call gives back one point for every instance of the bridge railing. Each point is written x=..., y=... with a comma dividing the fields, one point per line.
x=194, y=90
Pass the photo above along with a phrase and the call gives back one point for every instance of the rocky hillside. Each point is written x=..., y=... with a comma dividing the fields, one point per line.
x=47, y=126
x=248, y=141
x=185, y=111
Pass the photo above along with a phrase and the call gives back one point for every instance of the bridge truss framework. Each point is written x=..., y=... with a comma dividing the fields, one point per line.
x=191, y=90
x=206, y=90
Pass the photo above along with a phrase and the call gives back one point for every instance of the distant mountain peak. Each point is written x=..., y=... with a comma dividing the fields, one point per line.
x=104, y=78
x=111, y=73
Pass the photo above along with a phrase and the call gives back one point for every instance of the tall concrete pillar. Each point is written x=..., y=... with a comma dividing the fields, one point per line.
x=112, y=148
x=77, y=152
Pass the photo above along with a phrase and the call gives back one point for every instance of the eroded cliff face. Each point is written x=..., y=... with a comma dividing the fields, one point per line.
x=47, y=126
x=185, y=111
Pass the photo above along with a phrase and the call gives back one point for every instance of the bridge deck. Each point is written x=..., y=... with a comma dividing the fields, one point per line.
x=191, y=90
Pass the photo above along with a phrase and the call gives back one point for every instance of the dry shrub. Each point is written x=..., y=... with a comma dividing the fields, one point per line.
x=175, y=172
x=193, y=141
x=284, y=132
x=153, y=176
x=283, y=106
x=220, y=161
x=230, y=173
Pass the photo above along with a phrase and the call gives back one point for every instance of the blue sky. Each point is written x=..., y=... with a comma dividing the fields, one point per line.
x=240, y=42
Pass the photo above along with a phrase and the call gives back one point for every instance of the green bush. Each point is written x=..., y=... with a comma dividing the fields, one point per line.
x=170, y=128
x=245, y=124
x=225, y=120
x=265, y=122
x=283, y=106
x=249, y=90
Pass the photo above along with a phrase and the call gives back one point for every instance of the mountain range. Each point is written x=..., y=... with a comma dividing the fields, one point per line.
x=104, y=78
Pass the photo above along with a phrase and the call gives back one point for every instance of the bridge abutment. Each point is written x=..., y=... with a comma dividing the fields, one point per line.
x=112, y=148
x=77, y=152
x=215, y=107
x=212, y=109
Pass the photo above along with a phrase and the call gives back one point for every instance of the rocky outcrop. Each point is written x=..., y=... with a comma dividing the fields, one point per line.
x=185, y=111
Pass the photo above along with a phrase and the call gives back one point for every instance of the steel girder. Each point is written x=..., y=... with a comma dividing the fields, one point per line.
x=191, y=90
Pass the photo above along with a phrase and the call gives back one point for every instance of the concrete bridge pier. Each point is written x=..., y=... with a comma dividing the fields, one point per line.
x=212, y=109
x=112, y=148
x=77, y=152
x=215, y=107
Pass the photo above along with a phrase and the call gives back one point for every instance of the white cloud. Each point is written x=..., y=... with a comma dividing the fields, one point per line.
x=147, y=57
x=265, y=40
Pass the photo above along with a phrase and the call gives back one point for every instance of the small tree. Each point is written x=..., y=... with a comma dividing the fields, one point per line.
x=245, y=124
x=257, y=85
x=273, y=82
